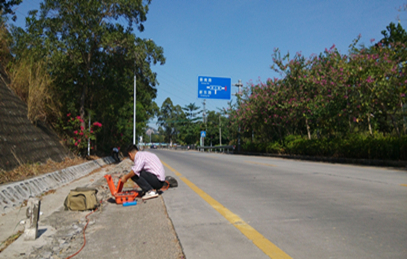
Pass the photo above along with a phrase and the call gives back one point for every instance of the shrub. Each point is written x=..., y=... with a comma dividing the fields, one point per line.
x=357, y=146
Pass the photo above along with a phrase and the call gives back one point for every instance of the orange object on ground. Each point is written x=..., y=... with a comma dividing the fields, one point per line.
x=165, y=187
x=121, y=197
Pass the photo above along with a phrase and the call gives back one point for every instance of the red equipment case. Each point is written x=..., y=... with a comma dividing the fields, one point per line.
x=121, y=197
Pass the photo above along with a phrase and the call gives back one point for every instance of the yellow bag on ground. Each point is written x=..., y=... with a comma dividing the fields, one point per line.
x=81, y=198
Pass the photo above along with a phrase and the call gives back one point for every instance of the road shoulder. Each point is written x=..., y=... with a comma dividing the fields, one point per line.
x=139, y=231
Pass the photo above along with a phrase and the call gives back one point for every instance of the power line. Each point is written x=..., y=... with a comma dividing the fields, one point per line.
x=180, y=83
x=178, y=87
x=211, y=103
x=174, y=94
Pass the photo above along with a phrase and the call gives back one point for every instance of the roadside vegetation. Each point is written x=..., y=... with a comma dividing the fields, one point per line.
x=182, y=125
x=75, y=61
x=344, y=105
x=334, y=105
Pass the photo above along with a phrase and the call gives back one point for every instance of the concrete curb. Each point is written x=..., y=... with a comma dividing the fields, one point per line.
x=339, y=160
x=369, y=162
x=13, y=194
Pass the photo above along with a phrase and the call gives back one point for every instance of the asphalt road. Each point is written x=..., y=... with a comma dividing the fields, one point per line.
x=231, y=206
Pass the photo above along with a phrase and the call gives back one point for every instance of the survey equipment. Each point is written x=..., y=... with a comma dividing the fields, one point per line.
x=121, y=197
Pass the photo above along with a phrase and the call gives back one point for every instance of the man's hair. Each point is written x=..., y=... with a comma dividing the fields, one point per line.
x=131, y=148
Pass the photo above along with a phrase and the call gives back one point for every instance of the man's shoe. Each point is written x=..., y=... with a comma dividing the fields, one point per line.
x=150, y=195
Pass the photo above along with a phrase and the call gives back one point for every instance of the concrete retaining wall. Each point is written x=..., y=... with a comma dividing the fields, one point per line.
x=13, y=194
x=22, y=142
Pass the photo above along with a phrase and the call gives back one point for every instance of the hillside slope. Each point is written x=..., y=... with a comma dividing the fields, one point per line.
x=20, y=140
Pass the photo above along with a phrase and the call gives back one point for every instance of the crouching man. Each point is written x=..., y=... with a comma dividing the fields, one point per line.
x=148, y=172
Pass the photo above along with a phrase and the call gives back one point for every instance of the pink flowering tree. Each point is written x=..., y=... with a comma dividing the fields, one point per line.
x=331, y=94
x=77, y=135
x=377, y=84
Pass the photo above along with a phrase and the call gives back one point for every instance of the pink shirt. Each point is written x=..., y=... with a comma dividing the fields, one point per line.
x=149, y=162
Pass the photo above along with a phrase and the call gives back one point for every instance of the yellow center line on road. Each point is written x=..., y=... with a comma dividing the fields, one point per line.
x=257, y=163
x=403, y=185
x=270, y=249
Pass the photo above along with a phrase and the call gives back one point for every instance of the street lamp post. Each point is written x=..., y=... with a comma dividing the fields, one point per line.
x=134, y=112
x=89, y=137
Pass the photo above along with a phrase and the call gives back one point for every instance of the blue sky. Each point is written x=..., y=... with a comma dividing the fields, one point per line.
x=236, y=38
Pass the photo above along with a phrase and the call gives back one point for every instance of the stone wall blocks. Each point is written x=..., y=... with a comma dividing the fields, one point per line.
x=24, y=193
x=23, y=187
x=62, y=176
x=57, y=177
x=68, y=175
x=9, y=197
x=41, y=185
x=30, y=188
x=34, y=188
x=13, y=194
x=4, y=203
x=50, y=180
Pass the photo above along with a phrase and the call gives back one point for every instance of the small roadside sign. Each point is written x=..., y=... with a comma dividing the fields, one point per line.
x=203, y=134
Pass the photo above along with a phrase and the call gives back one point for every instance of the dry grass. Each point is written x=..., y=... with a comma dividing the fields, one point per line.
x=28, y=78
x=30, y=170
x=5, y=40
x=32, y=83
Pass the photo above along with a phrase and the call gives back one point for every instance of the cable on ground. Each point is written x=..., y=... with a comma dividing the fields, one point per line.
x=84, y=238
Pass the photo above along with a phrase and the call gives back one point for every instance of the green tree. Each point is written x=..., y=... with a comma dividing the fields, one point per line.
x=189, y=131
x=394, y=38
x=336, y=93
x=92, y=59
x=6, y=7
x=214, y=120
x=171, y=118
x=393, y=34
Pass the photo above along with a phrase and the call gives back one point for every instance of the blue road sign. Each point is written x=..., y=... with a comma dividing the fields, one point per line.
x=214, y=87
x=203, y=134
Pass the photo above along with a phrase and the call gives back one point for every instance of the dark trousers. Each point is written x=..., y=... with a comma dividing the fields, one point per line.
x=147, y=181
x=116, y=157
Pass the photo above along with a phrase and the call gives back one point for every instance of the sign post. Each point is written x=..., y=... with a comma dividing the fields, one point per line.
x=209, y=87
x=203, y=135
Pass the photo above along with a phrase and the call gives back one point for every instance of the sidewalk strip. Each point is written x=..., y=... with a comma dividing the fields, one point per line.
x=258, y=239
x=257, y=163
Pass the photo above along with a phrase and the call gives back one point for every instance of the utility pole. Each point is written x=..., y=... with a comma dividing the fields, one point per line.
x=238, y=95
x=204, y=113
x=239, y=85
x=204, y=120
x=252, y=129
x=220, y=132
